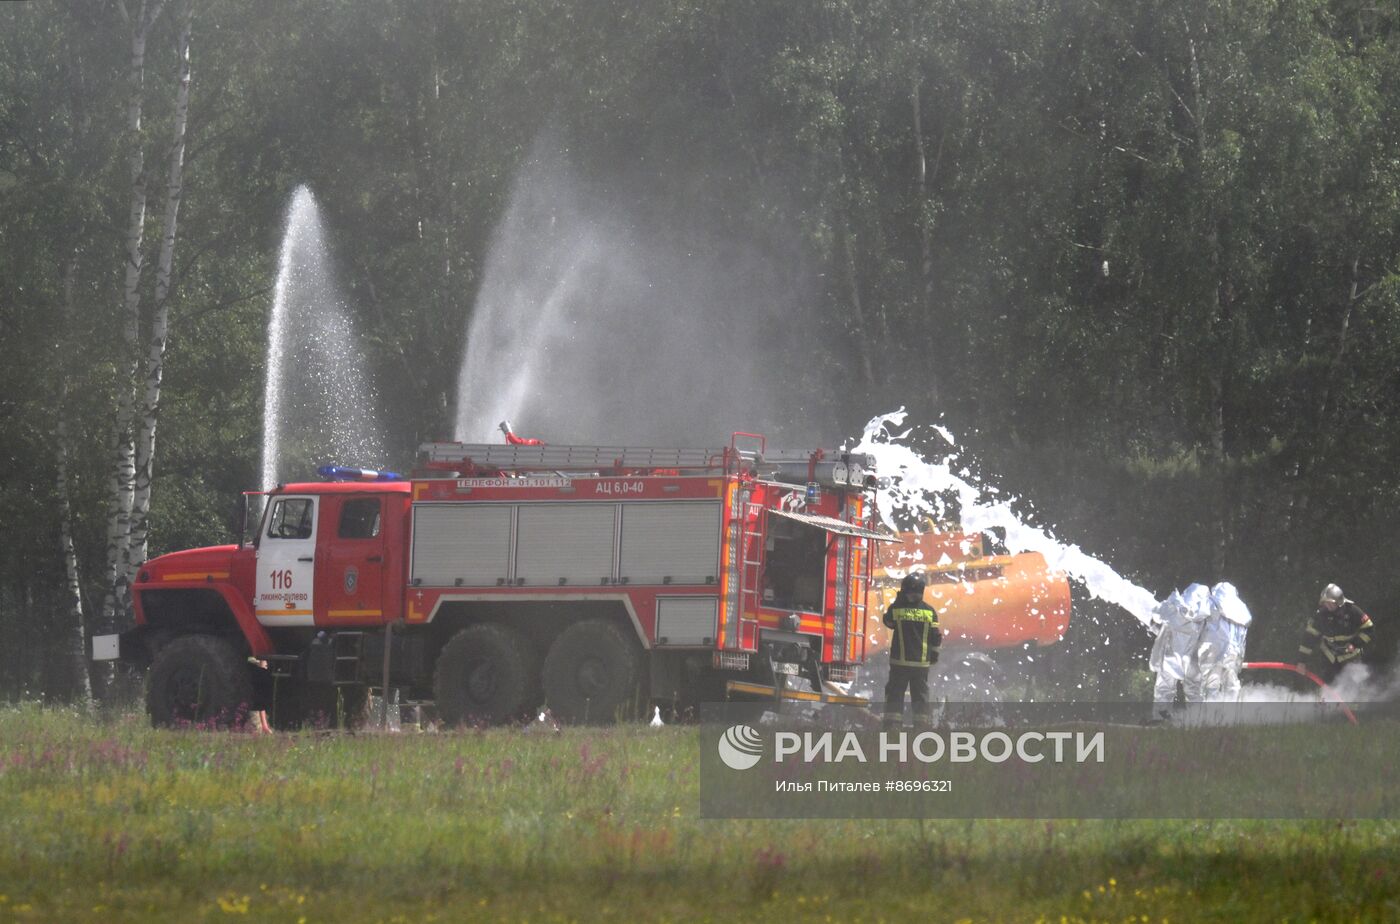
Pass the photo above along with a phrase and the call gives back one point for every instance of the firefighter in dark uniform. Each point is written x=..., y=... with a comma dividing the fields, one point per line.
x=914, y=645
x=1335, y=635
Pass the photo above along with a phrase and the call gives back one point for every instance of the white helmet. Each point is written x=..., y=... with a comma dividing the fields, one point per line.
x=1331, y=594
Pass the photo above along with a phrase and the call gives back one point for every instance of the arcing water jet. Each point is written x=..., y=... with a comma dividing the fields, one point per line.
x=594, y=325
x=317, y=403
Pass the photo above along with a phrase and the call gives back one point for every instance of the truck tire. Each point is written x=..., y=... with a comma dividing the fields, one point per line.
x=486, y=673
x=593, y=673
x=199, y=680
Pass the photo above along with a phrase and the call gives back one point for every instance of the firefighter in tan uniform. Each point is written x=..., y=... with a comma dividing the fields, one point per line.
x=914, y=645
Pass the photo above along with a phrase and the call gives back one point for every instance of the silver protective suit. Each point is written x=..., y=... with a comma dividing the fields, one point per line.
x=1220, y=655
x=1200, y=643
x=1180, y=619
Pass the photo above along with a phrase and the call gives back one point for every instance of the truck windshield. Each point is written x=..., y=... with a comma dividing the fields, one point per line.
x=794, y=572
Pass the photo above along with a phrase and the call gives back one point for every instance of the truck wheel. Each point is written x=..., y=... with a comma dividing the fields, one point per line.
x=486, y=673
x=592, y=673
x=199, y=679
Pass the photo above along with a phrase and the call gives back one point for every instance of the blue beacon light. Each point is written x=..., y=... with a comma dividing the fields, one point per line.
x=347, y=473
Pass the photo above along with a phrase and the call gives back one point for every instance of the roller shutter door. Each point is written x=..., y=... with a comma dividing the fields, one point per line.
x=676, y=543
x=686, y=620
x=565, y=543
x=453, y=543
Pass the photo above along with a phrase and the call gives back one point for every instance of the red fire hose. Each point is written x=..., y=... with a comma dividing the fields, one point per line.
x=1295, y=669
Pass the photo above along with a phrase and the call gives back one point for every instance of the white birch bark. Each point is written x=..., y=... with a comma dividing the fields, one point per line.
x=72, y=585
x=160, y=321
x=123, y=477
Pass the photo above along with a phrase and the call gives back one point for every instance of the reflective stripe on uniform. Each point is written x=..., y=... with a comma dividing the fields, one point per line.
x=926, y=619
x=923, y=646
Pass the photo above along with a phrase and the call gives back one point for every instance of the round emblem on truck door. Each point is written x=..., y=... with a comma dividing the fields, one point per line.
x=352, y=580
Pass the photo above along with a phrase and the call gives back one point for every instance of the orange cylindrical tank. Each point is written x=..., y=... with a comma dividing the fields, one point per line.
x=983, y=602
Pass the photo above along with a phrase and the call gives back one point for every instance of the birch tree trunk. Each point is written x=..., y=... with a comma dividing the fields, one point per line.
x=72, y=585
x=123, y=478
x=160, y=321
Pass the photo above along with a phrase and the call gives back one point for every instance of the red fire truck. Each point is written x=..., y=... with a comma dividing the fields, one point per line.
x=593, y=580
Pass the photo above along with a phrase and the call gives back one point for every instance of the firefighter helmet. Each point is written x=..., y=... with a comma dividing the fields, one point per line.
x=913, y=585
x=1331, y=594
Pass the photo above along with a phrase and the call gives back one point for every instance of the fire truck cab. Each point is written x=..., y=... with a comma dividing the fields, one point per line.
x=503, y=578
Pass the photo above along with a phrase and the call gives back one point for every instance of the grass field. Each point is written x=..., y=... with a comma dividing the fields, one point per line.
x=112, y=821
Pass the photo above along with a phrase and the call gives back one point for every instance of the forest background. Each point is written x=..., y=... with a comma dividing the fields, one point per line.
x=1140, y=255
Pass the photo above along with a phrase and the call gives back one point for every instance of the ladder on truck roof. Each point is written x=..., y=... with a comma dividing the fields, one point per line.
x=476, y=458
x=564, y=458
x=542, y=457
